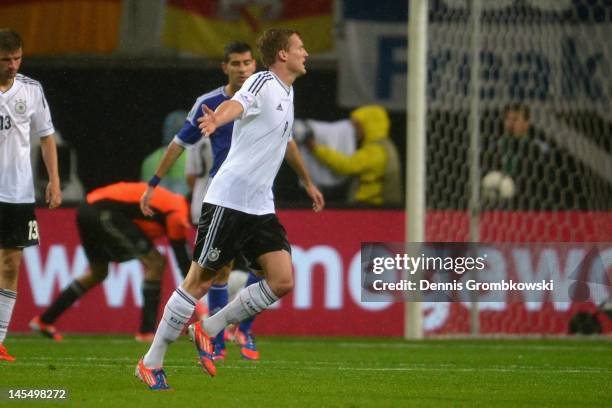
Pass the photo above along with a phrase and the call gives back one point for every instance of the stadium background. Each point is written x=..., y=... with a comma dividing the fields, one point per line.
x=110, y=78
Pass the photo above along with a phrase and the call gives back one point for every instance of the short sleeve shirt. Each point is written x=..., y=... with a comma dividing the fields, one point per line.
x=24, y=112
x=259, y=140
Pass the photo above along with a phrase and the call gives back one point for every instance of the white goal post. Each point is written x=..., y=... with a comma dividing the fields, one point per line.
x=416, y=117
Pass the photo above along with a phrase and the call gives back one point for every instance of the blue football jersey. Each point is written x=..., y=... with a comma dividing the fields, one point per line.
x=221, y=140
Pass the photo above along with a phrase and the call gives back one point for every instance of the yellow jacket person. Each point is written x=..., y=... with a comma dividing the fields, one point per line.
x=375, y=162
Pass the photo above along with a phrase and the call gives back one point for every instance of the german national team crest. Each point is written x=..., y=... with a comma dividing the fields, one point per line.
x=20, y=106
x=213, y=254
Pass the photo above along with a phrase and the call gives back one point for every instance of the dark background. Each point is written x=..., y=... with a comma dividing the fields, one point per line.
x=112, y=111
x=113, y=115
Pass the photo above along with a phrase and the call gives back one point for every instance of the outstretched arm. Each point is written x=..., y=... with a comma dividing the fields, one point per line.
x=294, y=158
x=171, y=154
x=227, y=112
x=339, y=163
x=53, y=192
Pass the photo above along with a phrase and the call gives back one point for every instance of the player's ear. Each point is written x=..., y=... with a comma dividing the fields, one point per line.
x=282, y=55
x=224, y=67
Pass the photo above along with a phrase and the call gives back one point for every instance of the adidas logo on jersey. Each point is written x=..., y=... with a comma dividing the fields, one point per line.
x=279, y=107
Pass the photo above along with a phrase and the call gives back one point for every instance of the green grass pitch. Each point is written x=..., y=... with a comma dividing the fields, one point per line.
x=98, y=371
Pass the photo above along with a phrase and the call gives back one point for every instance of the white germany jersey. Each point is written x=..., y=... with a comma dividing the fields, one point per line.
x=24, y=112
x=259, y=140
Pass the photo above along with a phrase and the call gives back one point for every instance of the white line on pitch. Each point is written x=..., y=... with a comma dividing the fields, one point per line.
x=280, y=364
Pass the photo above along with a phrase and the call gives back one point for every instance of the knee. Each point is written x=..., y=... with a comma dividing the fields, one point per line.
x=222, y=275
x=10, y=268
x=198, y=280
x=203, y=284
x=281, y=286
x=155, y=267
x=99, y=277
x=204, y=287
x=99, y=273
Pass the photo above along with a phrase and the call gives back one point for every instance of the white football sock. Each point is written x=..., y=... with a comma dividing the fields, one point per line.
x=177, y=313
x=248, y=302
x=7, y=302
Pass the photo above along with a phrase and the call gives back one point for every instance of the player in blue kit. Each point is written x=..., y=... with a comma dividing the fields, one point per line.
x=238, y=64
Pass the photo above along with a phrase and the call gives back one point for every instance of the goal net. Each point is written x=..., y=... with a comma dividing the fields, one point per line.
x=524, y=96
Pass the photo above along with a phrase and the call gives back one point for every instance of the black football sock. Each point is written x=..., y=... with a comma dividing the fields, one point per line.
x=65, y=299
x=151, y=293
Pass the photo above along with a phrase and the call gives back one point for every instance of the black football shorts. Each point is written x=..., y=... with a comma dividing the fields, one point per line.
x=225, y=234
x=18, y=226
x=109, y=235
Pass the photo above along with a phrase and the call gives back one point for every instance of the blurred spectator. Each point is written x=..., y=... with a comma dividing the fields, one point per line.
x=375, y=162
x=339, y=136
x=523, y=169
x=175, y=179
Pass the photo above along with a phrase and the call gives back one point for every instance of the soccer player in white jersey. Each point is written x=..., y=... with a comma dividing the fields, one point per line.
x=24, y=112
x=238, y=212
x=238, y=64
